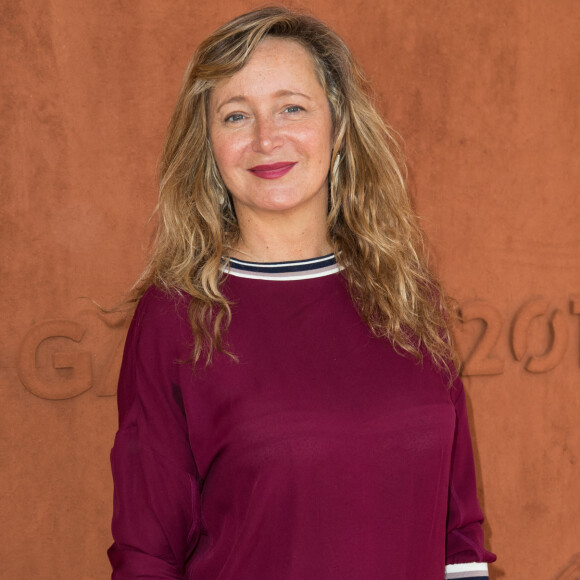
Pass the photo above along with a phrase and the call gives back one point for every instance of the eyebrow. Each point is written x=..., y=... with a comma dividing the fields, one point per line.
x=278, y=94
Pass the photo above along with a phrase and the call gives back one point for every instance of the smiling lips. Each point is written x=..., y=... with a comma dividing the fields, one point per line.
x=272, y=171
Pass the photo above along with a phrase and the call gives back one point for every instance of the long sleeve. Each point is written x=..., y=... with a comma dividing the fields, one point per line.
x=156, y=498
x=465, y=555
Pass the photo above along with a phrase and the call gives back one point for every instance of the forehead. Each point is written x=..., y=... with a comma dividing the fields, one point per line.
x=276, y=64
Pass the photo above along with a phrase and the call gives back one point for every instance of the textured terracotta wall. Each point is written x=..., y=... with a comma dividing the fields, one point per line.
x=486, y=96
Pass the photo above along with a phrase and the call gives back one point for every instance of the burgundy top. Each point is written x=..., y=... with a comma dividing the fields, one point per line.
x=322, y=454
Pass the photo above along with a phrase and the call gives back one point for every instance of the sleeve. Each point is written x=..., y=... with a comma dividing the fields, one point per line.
x=156, y=492
x=465, y=555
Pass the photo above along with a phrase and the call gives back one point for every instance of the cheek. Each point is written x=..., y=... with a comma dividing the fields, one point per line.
x=318, y=143
x=319, y=135
x=226, y=153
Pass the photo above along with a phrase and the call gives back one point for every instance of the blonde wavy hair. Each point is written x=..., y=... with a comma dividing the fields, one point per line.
x=371, y=224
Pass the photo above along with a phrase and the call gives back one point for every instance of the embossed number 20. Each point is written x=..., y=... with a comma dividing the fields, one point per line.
x=482, y=361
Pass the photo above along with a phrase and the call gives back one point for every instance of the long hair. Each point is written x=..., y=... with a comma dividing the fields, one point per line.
x=371, y=224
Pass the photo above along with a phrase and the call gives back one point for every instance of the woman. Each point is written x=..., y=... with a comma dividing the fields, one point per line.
x=287, y=402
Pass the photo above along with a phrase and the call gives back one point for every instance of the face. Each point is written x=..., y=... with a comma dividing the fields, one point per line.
x=271, y=129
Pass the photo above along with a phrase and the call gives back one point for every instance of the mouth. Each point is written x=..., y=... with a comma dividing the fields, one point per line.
x=273, y=170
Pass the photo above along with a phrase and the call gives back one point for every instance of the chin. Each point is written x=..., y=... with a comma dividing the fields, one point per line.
x=280, y=203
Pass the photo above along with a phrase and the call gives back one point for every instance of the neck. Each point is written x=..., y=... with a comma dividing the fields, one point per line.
x=281, y=241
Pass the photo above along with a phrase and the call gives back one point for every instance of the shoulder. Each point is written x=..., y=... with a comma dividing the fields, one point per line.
x=161, y=306
x=161, y=316
x=159, y=338
x=445, y=376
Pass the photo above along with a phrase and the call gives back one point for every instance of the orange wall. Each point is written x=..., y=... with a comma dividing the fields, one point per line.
x=486, y=97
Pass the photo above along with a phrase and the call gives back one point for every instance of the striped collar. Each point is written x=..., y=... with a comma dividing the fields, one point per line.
x=282, y=271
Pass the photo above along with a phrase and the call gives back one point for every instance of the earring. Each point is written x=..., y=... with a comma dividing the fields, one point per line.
x=222, y=195
x=335, y=166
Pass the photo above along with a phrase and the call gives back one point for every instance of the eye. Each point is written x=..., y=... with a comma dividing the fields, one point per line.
x=234, y=117
x=293, y=109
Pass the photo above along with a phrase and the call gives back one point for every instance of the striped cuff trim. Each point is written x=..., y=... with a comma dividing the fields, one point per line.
x=473, y=570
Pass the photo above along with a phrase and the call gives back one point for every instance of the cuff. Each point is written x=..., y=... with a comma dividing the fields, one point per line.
x=474, y=570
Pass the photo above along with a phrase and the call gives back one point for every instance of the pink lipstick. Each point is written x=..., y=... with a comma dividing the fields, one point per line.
x=273, y=170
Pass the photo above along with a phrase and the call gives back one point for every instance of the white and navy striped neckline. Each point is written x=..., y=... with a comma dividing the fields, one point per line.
x=283, y=271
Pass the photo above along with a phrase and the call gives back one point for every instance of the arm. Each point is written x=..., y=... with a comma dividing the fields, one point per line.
x=156, y=498
x=465, y=555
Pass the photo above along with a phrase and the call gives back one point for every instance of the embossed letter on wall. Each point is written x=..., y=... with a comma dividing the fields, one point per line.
x=481, y=360
x=55, y=385
x=558, y=336
x=52, y=363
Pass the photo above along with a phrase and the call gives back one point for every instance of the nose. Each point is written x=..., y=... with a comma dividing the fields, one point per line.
x=267, y=136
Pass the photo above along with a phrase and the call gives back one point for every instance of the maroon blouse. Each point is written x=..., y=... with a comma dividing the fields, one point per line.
x=321, y=454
